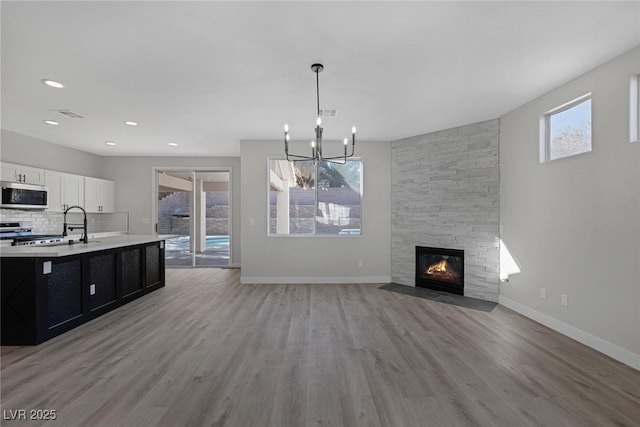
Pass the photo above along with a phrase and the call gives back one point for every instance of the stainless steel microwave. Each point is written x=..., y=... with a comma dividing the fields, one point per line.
x=16, y=195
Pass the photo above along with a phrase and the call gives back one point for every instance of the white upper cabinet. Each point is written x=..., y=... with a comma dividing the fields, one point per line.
x=65, y=190
x=73, y=190
x=99, y=195
x=24, y=174
x=53, y=180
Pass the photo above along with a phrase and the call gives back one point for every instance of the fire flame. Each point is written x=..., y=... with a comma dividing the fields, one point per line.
x=439, y=267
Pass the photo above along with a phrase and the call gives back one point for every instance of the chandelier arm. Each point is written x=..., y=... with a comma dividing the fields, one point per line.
x=345, y=156
x=297, y=158
x=343, y=160
x=337, y=157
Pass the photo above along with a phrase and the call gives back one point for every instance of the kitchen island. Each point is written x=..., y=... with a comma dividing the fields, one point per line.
x=47, y=290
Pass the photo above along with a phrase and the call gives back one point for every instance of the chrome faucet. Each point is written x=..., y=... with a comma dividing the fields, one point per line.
x=83, y=226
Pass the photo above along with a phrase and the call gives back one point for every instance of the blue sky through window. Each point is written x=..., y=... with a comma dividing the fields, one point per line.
x=576, y=116
x=570, y=131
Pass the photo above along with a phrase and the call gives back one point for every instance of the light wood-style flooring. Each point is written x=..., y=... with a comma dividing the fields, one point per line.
x=207, y=350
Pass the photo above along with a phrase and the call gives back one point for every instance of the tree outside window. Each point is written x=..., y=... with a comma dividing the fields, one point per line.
x=568, y=129
x=321, y=198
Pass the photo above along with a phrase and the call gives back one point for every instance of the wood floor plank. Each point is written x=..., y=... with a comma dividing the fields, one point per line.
x=207, y=350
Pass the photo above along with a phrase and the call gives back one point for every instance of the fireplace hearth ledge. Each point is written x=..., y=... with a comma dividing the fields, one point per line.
x=439, y=296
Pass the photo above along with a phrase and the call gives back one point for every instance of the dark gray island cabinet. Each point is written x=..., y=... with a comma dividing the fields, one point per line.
x=46, y=291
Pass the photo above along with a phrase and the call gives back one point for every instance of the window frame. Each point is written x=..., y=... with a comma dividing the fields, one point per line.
x=315, y=189
x=545, y=127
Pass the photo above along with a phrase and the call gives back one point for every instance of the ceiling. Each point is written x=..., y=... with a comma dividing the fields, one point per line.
x=206, y=75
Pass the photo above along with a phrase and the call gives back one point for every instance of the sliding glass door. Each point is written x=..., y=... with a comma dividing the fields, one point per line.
x=193, y=216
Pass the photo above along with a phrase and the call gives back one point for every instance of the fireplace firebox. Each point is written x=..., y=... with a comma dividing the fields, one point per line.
x=440, y=269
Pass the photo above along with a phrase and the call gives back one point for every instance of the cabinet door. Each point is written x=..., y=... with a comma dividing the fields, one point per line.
x=102, y=280
x=99, y=195
x=54, y=180
x=154, y=264
x=91, y=194
x=24, y=174
x=107, y=193
x=31, y=175
x=9, y=172
x=73, y=194
x=131, y=272
x=64, y=293
x=18, y=292
x=65, y=190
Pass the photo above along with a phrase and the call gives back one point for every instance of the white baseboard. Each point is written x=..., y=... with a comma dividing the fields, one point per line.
x=620, y=354
x=314, y=279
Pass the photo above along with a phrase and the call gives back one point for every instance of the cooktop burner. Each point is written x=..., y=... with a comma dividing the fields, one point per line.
x=19, y=233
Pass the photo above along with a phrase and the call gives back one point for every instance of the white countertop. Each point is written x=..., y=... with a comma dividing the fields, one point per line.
x=60, y=250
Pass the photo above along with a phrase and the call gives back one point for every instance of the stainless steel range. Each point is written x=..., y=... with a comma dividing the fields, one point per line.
x=19, y=233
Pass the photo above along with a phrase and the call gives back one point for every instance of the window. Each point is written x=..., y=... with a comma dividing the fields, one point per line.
x=567, y=130
x=634, y=109
x=322, y=198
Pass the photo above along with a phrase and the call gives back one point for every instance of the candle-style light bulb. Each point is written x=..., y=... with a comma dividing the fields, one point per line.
x=353, y=129
x=313, y=144
x=286, y=127
x=319, y=121
x=287, y=137
x=346, y=141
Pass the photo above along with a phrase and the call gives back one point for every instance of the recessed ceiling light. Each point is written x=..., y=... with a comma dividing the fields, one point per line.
x=110, y=143
x=51, y=122
x=131, y=123
x=173, y=144
x=52, y=83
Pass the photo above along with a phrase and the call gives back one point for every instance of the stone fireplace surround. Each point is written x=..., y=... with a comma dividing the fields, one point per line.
x=445, y=190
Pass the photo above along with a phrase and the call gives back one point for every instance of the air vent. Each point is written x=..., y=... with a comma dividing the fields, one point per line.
x=328, y=113
x=69, y=113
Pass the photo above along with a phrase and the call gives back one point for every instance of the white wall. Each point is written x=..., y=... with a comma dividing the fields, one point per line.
x=29, y=151
x=270, y=259
x=134, y=189
x=574, y=224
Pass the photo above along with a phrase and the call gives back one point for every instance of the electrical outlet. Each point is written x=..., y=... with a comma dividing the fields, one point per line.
x=543, y=293
x=564, y=300
x=92, y=289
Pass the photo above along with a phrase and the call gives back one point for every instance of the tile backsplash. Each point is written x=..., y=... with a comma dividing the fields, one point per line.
x=52, y=222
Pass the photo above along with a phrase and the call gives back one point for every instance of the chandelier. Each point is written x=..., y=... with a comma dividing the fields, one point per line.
x=316, y=145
